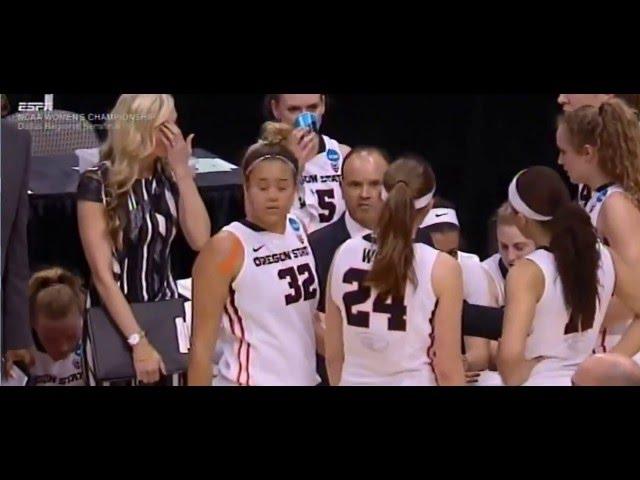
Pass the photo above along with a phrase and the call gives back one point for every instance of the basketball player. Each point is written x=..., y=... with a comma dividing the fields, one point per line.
x=393, y=305
x=257, y=278
x=600, y=148
x=56, y=305
x=572, y=101
x=441, y=229
x=557, y=297
x=512, y=246
x=362, y=175
x=319, y=201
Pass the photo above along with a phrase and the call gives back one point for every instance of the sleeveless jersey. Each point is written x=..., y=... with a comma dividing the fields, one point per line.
x=320, y=201
x=267, y=333
x=385, y=342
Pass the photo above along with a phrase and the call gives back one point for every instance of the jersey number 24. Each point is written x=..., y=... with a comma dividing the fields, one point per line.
x=394, y=307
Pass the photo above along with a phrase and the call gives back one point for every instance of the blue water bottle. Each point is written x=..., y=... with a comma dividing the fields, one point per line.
x=307, y=120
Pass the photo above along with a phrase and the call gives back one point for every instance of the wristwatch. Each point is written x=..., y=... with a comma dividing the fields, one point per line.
x=136, y=338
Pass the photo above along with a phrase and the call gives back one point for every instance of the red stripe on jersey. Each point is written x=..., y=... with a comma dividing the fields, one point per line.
x=432, y=337
x=232, y=321
x=235, y=310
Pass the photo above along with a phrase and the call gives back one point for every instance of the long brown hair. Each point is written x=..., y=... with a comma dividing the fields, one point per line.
x=406, y=180
x=613, y=129
x=573, y=241
x=56, y=293
x=631, y=99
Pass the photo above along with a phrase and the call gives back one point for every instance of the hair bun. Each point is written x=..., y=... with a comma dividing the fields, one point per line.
x=275, y=133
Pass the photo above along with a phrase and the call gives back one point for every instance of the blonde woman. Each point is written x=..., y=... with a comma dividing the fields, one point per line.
x=129, y=209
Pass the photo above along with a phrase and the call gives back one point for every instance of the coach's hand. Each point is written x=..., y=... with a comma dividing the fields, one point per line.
x=302, y=144
x=147, y=362
x=179, y=150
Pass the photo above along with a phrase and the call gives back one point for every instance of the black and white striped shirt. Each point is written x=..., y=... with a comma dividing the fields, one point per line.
x=143, y=267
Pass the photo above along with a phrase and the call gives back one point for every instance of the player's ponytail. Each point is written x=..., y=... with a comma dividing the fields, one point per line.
x=539, y=194
x=56, y=292
x=409, y=186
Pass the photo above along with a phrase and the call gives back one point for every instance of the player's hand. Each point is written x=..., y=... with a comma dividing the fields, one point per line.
x=471, y=377
x=12, y=356
x=302, y=144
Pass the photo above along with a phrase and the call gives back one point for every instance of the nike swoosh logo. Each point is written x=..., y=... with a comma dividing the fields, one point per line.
x=441, y=215
x=256, y=250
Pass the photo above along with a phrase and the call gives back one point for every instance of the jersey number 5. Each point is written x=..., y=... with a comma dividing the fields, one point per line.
x=393, y=307
x=327, y=204
x=306, y=290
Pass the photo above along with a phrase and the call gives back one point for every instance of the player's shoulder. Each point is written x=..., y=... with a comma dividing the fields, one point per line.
x=530, y=269
x=618, y=206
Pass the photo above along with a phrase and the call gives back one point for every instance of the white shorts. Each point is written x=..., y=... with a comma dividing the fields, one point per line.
x=489, y=379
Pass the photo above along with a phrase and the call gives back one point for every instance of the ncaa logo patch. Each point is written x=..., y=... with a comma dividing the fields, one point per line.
x=295, y=225
x=334, y=158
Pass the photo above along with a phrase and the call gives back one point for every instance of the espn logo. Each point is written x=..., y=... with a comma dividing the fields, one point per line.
x=46, y=106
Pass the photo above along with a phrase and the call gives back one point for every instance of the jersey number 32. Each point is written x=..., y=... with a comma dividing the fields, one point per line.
x=299, y=291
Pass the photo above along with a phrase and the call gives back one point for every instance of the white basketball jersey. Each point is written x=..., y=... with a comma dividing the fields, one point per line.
x=320, y=199
x=385, y=343
x=474, y=279
x=594, y=205
x=492, y=266
x=268, y=336
x=608, y=338
x=65, y=372
x=565, y=351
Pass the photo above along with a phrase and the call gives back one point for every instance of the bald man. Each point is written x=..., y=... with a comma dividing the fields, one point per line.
x=363, y=171
x=607, y=370
x=362, y=174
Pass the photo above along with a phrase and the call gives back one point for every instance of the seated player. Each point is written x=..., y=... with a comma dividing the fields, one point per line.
x=56, y=302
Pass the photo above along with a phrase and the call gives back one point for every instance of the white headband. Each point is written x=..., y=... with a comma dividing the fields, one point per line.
x=441, y=215
x=418, y=203
x=269, y=157
x=518, y=204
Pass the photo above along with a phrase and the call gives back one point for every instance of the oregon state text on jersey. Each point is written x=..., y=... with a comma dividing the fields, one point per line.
x=385, y=342
x=65, y=372
x=320, y=199
x=268, y=336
